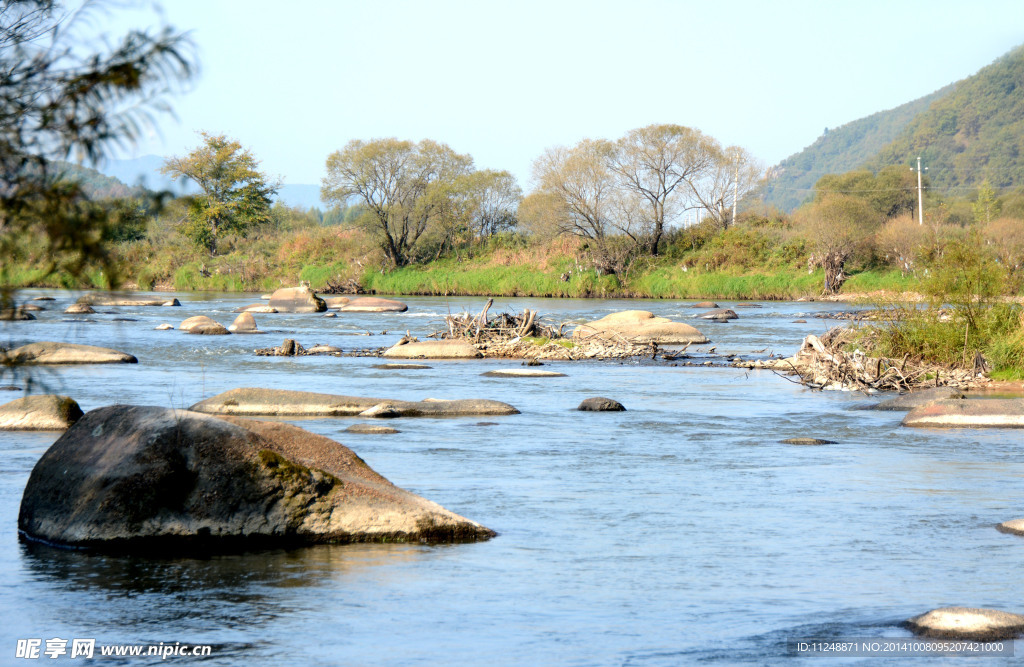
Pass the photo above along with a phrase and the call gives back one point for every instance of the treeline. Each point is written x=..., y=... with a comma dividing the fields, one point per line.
x=648, y=214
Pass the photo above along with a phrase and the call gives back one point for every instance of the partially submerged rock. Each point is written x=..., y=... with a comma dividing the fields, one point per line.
x=719, y=314
x=704, y=304
x=282, y=402
x=127, y=477
x=600, y=404
x=324, y=349
x=48, y=412
x=915, y=399
x=297, y=300
x=245, y=324
x=66, y=353
x=255, y=308
x=806, y=441
x=402, y=367
x=203, y=325
x=164, y=327
x=119, y=300
x=16, y=314
x=289, y=348
x=79, y=309
x=369, y=304
x=433, y=349
x=371, y=429
x=967, y=623
x=969, y=413
x=522, y=373
x=1014, y=527
x=640, y=326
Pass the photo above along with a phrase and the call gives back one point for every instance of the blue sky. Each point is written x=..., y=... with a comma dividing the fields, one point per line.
x=502, y=81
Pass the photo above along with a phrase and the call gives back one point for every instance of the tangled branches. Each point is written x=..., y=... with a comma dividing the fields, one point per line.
x=825, y=363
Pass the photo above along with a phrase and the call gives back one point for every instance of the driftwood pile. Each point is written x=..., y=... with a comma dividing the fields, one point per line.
x=823, y=363
x=482, y=329
x=524, y=336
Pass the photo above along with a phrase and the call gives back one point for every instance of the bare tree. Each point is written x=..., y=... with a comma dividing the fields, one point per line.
x=658, y=166
x=732, y=175
x=578, y=192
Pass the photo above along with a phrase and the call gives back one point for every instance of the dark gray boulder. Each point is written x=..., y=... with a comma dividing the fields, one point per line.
x=127, y=478
x=600, y=404
x=806, y=441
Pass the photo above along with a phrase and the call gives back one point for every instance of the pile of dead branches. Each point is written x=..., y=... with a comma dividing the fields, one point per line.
x=524, y=336
x=504, y=327
x=826, y=363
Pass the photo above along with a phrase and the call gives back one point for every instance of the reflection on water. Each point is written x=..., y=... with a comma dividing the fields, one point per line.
x=678, y=531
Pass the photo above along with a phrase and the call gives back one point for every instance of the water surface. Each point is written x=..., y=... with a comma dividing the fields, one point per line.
x=679, y=531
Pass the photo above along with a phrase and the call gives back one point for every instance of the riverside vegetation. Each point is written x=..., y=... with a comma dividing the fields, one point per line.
x=652, y=214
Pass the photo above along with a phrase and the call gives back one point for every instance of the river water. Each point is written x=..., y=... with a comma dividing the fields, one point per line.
x=677, y=532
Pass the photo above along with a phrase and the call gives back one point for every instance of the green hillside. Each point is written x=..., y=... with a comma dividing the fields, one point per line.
x=966, y=132
x=842, y=149
x=973, y=134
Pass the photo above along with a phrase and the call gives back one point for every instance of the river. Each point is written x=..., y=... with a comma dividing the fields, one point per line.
x=677, y=532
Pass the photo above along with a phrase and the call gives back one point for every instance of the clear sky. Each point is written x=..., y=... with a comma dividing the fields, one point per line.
x=502, y=81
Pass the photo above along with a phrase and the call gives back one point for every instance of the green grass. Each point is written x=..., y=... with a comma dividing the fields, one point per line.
x=448, y=278
x=674, y=283
x=318, y=275
x=873, y=281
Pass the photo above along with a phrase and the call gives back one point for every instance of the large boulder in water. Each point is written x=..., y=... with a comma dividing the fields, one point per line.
x=127, y=477
x=296, y=300
x=39, y=413
x=370, y=304
x=640, y=326
x=65, y=353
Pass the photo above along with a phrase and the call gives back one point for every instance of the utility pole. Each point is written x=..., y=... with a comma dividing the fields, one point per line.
x=735, y=187
x=920, y=197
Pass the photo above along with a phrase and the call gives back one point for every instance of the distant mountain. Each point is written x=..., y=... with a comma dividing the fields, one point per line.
x=965, y=132
x=146, y=171
x=97, y=185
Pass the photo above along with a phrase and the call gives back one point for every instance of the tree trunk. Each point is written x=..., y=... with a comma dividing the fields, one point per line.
x=833, y=263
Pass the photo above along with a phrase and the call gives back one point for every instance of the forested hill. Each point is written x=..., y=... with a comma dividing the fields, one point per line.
x=98, y=185
x=966, y=132
x=973, y=134
x=842, y=149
